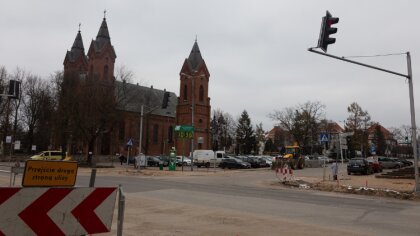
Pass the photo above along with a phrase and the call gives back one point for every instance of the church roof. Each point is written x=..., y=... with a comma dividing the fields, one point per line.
x=130, y=97
x=103, y=35
x=77, y=49
x=195, y=57
x=100, y=44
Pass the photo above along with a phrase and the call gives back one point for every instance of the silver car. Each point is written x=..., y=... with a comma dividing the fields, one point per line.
x=388, y=163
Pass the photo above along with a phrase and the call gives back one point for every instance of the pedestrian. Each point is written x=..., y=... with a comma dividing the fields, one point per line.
x=334, y=170
x=122, y=158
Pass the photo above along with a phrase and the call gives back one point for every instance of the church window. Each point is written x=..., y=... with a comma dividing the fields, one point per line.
x=105, y=72
x=121, y=133
x=201, y=93
x=155, y=137
x=170, y=134
x=91, y=71
x=185, y=92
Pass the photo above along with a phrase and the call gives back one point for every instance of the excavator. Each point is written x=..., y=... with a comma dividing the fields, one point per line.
x=293, y=157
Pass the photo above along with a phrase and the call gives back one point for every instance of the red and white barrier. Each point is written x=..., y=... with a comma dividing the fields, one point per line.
x=56, y=211
x=286, y=173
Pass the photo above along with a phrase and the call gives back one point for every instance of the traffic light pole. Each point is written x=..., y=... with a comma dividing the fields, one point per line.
x=412, y=110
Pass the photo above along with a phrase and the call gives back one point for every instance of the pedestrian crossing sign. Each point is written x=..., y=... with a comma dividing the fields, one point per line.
x=324, y=137
x=130, y=142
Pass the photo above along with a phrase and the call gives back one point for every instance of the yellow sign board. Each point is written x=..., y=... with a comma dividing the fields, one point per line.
x=40, y=173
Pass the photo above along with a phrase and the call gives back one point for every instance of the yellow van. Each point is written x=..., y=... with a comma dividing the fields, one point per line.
x=51, y=155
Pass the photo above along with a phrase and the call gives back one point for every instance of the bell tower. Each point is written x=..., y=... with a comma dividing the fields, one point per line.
x=101, y=56
x=193, y=102
x=76, y=63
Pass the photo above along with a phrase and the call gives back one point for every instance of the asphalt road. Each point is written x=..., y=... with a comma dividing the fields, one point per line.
x=240, y=192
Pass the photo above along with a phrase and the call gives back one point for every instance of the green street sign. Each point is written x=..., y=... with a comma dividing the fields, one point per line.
x=184, y=131
x=184, y=128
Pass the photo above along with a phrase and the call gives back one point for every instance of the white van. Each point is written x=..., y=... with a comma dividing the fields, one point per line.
x=208, y=158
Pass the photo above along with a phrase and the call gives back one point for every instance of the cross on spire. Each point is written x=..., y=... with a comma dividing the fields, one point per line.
x=104, y=13
x=79, y=26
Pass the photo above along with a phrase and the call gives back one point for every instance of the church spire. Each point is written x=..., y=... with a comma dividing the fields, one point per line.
x=103, y=34
x=195, y=56
x=78, y=42
x=77, y=49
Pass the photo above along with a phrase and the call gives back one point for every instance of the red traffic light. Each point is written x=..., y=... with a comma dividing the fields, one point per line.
x=326, y=31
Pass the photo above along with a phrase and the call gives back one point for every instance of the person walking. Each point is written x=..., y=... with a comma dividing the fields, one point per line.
x=122, y=158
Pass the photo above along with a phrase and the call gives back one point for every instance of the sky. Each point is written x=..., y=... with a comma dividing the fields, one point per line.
x=256, y=51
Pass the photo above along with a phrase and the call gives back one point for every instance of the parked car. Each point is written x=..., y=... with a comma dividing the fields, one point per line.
x=165, y=160
x=180, y=161
x=359, y=165
x=153, y=161
x=51, y=155
x=403, y=161
x=234, y=163
x=268, y=160
x=388, y=163
x=254, y=162
x=326, y=159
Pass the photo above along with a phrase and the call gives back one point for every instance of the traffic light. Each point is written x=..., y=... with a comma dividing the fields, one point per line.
x=326, y=31
x=14, y=87
x=165, y=101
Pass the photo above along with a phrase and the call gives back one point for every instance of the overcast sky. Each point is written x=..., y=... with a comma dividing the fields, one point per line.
x=256, y=51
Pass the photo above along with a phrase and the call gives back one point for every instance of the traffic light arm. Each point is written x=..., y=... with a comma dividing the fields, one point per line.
x=412, y=109
x=358, y=63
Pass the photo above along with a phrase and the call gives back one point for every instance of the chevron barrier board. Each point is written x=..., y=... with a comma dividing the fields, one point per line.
x=56, y=211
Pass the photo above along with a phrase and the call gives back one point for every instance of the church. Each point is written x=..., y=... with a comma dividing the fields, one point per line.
x=145, y=118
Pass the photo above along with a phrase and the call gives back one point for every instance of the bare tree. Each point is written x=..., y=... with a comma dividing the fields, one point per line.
x=37, y=111
x=302, y=122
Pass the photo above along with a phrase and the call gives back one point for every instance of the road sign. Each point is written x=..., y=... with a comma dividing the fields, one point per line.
x=56, y=211
x=372, y=148
x=324, y=138
x=49, y=173
x=185, y=131
x=130, y=142
x=17, y=145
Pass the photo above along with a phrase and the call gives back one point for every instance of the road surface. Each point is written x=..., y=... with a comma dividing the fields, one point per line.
x=248, y=195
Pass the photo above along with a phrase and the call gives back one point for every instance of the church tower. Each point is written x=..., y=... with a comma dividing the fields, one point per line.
x=101, y=56
x=194, y=102
x=75, y=60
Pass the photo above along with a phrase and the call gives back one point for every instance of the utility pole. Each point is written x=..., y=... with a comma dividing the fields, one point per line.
x=413, y=123
x=141, y=128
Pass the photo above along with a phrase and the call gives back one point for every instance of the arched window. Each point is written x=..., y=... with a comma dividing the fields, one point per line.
x=170, y=134
x=185, y=92
x=155, y=137
x=201, y=93
x=91, y=71
x=105, y=72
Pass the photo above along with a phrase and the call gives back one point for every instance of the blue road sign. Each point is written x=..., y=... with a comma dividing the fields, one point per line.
x=372, y=148
x=130, y=142
x=323, y=137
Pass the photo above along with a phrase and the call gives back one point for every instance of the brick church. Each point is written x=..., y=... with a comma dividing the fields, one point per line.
x=157, y=124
